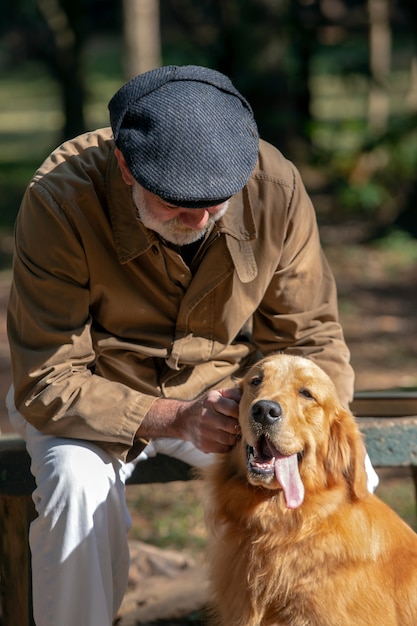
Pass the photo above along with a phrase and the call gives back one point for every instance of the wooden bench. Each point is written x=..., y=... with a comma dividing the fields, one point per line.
x=390, y=441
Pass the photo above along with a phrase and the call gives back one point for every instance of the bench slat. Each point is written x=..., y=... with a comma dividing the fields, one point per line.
x=16, y=513
x=390, y=442
x=15, y=476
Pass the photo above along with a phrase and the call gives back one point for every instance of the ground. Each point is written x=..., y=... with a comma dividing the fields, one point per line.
x=378, y=303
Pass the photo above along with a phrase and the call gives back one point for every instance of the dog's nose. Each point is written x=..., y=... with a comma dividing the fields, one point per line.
x=266, y=412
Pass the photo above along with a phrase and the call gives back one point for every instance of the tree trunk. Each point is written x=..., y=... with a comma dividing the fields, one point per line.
x=379, y=62
x=141, y=36
x=65, y=59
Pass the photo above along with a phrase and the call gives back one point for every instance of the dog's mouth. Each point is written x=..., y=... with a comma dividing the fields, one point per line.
x=265, y=461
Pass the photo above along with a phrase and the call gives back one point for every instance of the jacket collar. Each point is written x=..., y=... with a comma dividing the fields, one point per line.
x=130, y=237
x=238, y=221
x=239, y=228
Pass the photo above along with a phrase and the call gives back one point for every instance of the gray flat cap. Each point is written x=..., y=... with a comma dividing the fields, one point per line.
x=186, y=133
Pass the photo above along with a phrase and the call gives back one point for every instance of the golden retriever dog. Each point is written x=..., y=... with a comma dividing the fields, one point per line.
x=296, y=539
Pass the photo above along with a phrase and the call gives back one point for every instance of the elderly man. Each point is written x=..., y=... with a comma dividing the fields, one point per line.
x=154, y=262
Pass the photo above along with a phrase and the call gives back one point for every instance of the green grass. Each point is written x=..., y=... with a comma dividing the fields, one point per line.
x=400, y=495
x=169, y=516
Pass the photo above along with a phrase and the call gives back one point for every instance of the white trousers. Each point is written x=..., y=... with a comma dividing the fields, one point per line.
x=80, y=556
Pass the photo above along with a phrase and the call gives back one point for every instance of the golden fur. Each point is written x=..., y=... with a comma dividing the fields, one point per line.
x=335, y=556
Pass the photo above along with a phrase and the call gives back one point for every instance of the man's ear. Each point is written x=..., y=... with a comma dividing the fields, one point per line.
x=125, y=171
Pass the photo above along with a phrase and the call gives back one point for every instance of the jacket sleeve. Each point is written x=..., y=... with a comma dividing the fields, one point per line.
x=52, y=354
x=299, y=311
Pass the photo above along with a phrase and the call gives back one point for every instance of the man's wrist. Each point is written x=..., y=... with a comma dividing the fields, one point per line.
x=162, y=420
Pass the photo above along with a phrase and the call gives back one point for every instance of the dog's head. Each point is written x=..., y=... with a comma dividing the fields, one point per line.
x=296, y=437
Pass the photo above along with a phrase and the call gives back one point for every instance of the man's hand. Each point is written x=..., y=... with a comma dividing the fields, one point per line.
x=209, y=422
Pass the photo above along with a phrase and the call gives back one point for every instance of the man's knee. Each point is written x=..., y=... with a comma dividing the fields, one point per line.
x=74, y=473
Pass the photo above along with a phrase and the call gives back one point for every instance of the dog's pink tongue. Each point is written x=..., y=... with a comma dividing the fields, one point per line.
x=286, y=472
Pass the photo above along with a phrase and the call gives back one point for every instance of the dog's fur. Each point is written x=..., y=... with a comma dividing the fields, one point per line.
x=323, y=551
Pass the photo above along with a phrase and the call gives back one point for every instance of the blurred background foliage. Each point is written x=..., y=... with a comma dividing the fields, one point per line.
x=333, y=84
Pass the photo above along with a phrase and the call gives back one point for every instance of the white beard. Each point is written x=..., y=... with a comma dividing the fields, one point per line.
x=172, y=230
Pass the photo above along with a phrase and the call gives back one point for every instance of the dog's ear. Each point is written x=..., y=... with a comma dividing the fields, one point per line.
x=346, y=453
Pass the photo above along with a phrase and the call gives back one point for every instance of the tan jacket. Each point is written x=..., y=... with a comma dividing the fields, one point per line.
x=104, y=316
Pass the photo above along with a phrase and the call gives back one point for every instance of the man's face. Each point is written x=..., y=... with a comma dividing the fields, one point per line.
x=175, y=224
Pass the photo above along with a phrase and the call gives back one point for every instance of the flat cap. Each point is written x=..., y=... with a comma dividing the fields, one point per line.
x=186, y=133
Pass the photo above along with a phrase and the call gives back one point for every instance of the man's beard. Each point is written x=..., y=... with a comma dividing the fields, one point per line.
x=172, y=230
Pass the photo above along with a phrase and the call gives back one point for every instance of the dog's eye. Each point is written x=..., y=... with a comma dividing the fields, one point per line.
x=306, y=393
x=255, y=381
